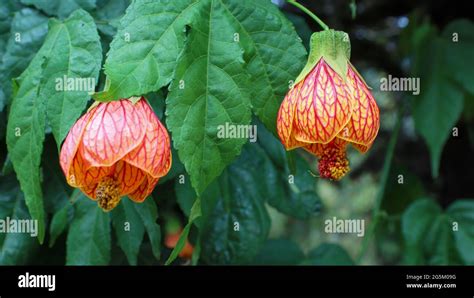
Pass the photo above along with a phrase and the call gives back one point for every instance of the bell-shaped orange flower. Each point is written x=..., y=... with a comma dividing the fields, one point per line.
x=116, y=149
x=328, y=107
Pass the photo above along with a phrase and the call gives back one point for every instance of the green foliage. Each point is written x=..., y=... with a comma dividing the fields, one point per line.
x=61, y=8
x=293, y=194
x=31, y=27
x=16, y=248
x=242, y=61
x=148, y=213
x=435, y=237
x=38, y=99
x=216, y=97
x=279, y=252
x=141, y=61
x=88, y=239
x=444, y=66
x=328, y=254
x=194, y=214
x=202, y=64
x=129, y=229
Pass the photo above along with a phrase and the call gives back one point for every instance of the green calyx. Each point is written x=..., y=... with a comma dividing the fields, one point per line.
x=334, y=47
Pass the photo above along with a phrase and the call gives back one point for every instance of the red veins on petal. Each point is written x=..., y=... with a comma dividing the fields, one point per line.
x=116, y=128
x=323, y=113
x=116, y=149
x=365, y=121
x=323, y=106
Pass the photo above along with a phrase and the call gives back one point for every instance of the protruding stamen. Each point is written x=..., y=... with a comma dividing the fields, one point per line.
x=108, y=193
x=333, y=163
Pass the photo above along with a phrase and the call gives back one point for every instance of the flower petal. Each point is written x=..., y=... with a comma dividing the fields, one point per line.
x=144, y=190
x=153, y=155
x=71, y=144
x=323, y=106
x=285, y=118
x=365, y=121
x=116, y=128
x=319, y=149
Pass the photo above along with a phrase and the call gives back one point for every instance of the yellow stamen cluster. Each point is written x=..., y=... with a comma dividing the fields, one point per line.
x=108, y=193
x=333, y=163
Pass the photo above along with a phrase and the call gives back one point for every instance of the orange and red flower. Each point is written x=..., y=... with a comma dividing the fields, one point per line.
x=171, y=240
x=116, y=149
x=326, y=110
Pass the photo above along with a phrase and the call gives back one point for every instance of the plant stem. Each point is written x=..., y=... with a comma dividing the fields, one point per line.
x=377, y=214
x=308, y=12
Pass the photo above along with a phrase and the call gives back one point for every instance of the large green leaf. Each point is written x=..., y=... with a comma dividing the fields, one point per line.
x=461, y=212
x=149, y=215
x=439, y=105
x=75, y=53
x=292, y=194
x=15, y=248
x=61, y=8
x=443, y=65
x=58, y=56
x=434, y=237
x=28, y=30
x=212, y=71
x=141, y=61
x=25, y=135
x=237, y=227
x=458, y=57
x=273, y=52
x=129, y=229
x=88, y=239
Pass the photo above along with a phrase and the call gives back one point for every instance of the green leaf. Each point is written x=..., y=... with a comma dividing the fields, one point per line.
x=328, y=254
x=26, y=124
x=299, y=198
x=458, y=57
x=15, y=248
x=88, y=239
x=110, y=12
x=74, y=55
x=149, y=215
x=416, y=221
x=25, y=136
x=195, y=213
x=31, y=28
x=237, y=227
x=56, y=192
x=292, y=193
x=273, y=52
x=436, y=109
x=398, y=196
x=462, y=213
x=279, y=252
x=7, y=11
x=212, y=71
x=59, y=223
x=434, y=237
x=142, y=61
x=443, y=65
x=129, y=229
x=60, y=8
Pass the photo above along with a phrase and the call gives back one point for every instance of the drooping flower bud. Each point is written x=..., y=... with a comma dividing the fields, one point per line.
x=329, y=106
x=116, y=149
